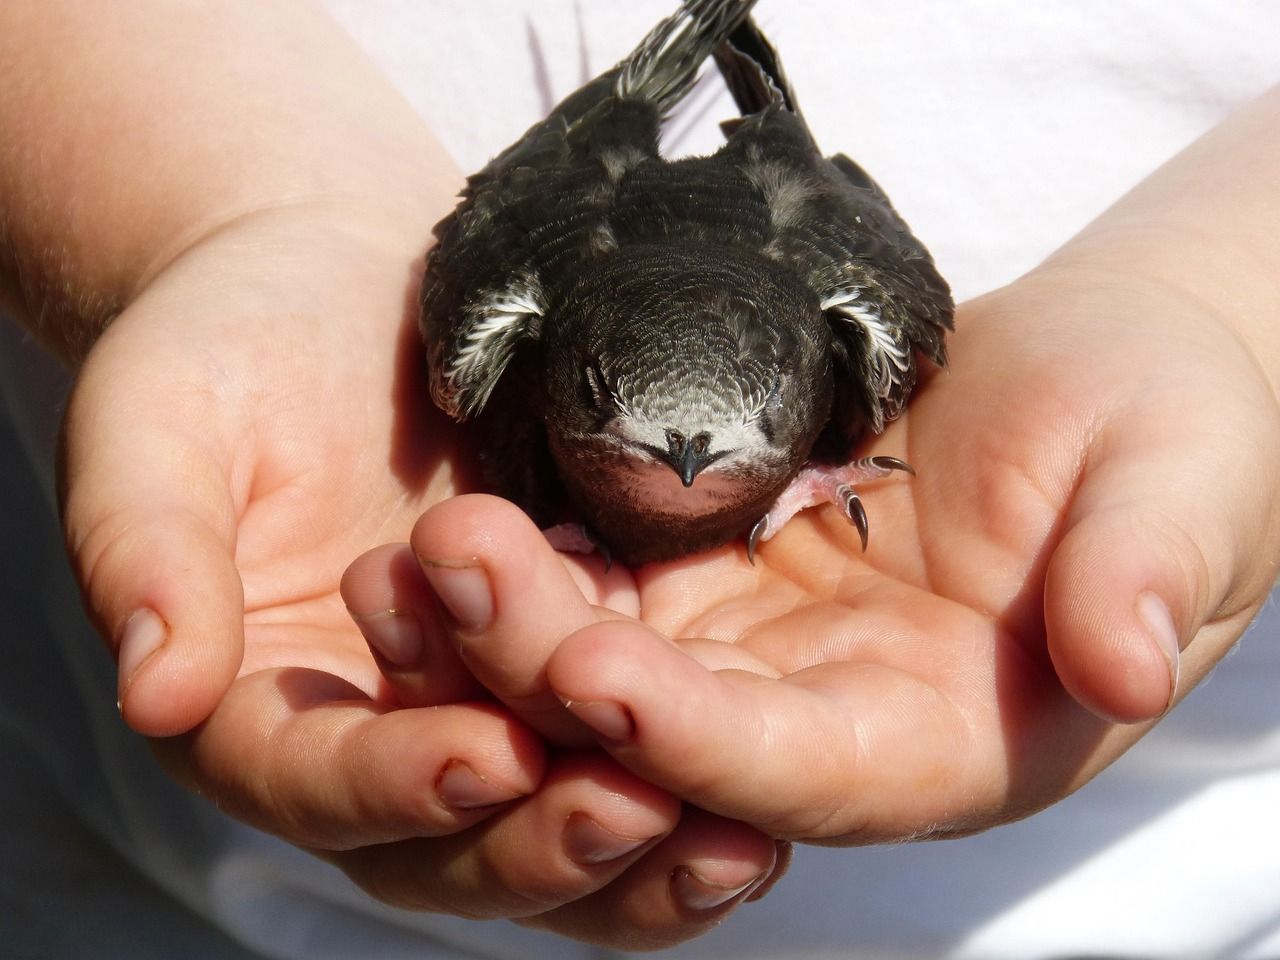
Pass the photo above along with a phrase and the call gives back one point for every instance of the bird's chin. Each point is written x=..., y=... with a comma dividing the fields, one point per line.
x=644, y=512
x=656, y=486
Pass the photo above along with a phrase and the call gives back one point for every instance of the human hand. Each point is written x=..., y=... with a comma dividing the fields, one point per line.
x=1094, y=523
x=1094, y=494
x=252, y=417
x=234, y=438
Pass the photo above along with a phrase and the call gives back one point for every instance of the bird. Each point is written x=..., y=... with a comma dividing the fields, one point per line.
x=659, y=355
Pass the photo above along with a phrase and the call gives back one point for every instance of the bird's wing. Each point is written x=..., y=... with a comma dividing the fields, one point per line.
x=541, y=207
x=484, y=290
x=876, y=283
x=883, y=297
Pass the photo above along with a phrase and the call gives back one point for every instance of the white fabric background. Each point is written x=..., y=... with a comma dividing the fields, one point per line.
x=999, y=128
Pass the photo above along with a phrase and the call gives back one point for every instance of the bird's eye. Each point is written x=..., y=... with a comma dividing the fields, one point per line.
x=774, y=399
x=772, y=407
x=598, y=388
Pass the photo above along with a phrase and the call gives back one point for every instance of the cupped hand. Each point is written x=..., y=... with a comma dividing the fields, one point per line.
x=256, y=418
x=1093, y=523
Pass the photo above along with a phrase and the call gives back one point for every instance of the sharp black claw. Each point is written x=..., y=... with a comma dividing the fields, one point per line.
x=759, y=530
x=892, y=463
x=856, y=512
x=602, y=548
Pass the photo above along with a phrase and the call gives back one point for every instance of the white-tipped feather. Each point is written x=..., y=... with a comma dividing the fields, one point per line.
x=665, y=64
x=890, y=355
x=496, y=321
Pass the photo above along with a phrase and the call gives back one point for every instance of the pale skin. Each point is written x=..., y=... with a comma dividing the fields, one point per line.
x=253, y=418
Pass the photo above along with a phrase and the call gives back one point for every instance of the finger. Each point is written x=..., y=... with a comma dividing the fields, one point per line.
x=509, y=600
x=394, y=607
x=588, y=822
x=842, y=751
x=1153, y=555
x=693, y=880
x=303, y=755
x=149, y=522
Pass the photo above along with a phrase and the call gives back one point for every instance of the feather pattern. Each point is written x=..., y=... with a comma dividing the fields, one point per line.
x=664, y=66
x=496, y=321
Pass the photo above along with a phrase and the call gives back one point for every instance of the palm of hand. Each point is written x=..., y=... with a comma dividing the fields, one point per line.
x=302, y=413
x=258, y=417
x=922, y=685
x=341, y=462
x=917, y=667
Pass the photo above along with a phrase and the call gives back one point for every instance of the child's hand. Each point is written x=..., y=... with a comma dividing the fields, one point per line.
x=1094, y=523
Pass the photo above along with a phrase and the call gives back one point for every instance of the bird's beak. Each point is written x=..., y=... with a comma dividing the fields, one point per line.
x=687, y=457
x=688, y=460
x=688, y=465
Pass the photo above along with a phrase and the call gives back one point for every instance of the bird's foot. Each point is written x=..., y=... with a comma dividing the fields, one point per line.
x=578, y=538
x=816, y=484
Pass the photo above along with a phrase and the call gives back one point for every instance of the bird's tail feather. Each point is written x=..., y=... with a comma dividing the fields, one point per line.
x=752, y=70
x=665, y=64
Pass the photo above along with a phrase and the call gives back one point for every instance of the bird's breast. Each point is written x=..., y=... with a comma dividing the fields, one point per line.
x=657, y=487
x=643, y=511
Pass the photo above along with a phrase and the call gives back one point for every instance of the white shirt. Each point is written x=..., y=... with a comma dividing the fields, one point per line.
x=999, y=128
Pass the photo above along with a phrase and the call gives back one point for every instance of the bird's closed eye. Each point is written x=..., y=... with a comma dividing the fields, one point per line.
x=770, y=408
x=774, y=398
x=598, y=392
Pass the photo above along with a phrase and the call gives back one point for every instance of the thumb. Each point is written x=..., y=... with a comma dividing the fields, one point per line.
x=1154, y=544
x=150, y=524
x=1124, y=592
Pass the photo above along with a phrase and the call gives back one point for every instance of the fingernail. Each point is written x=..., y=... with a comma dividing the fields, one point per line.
x=1155, y=616
x=695, y=892
x=464, y=590
x=781, y=864
x=588, y=843
x=460, y=786
x=395, y=634
x=610, y=720
x=143, y=634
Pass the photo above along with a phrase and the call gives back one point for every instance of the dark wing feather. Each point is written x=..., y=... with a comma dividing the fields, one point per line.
x=877, y=284
x=752, y=71
x=483, y=290
x=542, y=206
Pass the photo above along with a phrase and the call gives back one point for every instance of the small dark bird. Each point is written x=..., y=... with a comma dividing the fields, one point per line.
x=682, y=351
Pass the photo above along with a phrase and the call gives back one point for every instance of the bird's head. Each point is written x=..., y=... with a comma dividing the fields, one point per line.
x=688, y=373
